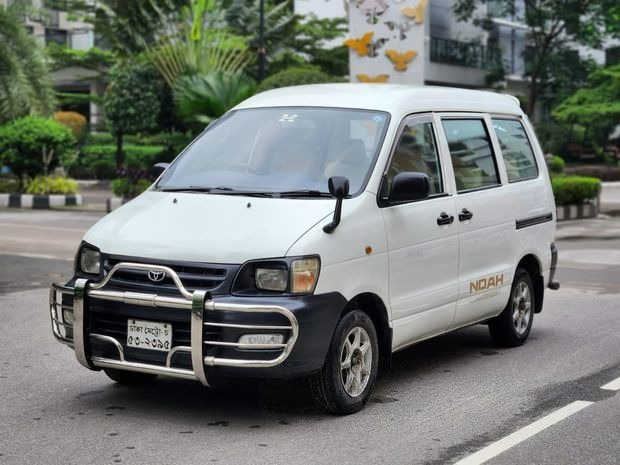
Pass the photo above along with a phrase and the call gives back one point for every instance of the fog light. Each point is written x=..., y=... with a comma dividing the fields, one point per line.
x=67, y=316
x=253, y=339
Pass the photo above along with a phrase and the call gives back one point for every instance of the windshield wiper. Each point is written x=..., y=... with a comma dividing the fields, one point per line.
x=303, y=193
x=196, y=189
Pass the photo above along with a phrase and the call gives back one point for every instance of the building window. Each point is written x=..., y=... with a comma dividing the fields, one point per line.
x=471, y=153
x=612, y=56
x=57, y=36
x=516, y=150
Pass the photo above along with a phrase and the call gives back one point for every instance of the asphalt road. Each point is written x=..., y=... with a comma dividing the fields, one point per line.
x=443, y=401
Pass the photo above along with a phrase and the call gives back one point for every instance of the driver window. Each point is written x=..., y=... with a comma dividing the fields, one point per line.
x=416, y=151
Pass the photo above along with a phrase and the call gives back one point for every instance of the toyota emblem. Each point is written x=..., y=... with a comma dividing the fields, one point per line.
x=157, y=276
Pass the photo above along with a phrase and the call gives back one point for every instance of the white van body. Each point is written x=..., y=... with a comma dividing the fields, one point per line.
x=477, y=248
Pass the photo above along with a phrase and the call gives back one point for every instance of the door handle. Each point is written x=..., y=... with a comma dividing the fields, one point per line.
x=465, y=215
x=444, y=219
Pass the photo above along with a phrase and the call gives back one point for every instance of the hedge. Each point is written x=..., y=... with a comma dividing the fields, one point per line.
x=297, y=76
x=45, y=185
x=572, y=190
x=98, y=161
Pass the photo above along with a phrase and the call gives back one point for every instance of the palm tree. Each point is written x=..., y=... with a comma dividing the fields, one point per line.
x=25, y=83
x=201, y=98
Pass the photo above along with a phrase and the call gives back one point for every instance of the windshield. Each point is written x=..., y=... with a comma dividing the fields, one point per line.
x=290, y=151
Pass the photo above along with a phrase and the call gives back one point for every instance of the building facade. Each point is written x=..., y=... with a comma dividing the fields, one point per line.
x=54, y=27
x=421, y=42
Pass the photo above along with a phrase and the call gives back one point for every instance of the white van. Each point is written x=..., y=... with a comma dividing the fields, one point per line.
x=313, y=231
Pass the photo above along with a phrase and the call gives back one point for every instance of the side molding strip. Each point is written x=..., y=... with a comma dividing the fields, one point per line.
x=526, y=223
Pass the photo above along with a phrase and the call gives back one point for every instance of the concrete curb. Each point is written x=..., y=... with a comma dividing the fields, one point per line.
x=39, y=201
x=112, y=203
x=574, y=212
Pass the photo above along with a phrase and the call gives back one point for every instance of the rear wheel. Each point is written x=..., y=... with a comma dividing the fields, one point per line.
x=130, y=378
x=512, y=327
x=347, y=378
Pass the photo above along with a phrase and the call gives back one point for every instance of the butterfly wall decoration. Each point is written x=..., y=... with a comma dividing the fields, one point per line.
x=365, y=46
x=372, y=9
x=417, y=13
x=399, y=59
x=367, y=78
x=399, y=28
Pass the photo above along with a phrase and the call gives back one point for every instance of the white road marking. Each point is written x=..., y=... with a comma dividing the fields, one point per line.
x=42, y=228
x=34, y=255
x=524, y=433
x=612, y=386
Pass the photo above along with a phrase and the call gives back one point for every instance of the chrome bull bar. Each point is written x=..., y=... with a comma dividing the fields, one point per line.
x=198, y=303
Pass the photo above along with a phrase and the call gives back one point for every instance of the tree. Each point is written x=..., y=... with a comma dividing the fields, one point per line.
x=597, y=106
x=552, y=26
x=131, y=103
x=32, y=145
x=201, y=98
x=125, y=26
x=25, y=84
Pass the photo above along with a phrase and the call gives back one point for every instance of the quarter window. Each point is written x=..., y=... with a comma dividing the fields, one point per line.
x=471, y=153
x=516, y=150
x=416, y=151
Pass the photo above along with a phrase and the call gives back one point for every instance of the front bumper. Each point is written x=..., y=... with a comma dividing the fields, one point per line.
x=90, y=317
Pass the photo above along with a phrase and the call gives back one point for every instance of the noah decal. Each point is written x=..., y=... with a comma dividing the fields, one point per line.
x=486, y=283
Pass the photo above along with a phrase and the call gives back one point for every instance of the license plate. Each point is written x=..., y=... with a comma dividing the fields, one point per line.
x=149, y=335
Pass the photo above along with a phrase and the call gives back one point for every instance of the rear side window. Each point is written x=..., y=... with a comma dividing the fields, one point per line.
x=516, y=150
x=471, y=154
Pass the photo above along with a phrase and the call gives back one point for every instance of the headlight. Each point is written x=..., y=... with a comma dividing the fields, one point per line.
x=304, y=275
x=90, y=261
x=271, y=279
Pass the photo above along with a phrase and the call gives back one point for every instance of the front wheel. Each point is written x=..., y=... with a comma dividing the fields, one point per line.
x=348, y=375
x=512, y=327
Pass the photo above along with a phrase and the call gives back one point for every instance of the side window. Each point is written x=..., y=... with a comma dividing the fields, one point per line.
x=416, y=151
x=516, y=149
x=471, y=153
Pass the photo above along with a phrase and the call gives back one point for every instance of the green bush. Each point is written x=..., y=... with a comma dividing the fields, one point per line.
x=31, y=146
x=98, y=161
x=556, y=165
x=45, y=185
x=571, y=190
x=9, y=186
x=296, y=77
x=128, y=188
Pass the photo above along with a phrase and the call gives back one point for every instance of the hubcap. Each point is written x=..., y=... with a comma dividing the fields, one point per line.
x=355, y=361
x=521, y=307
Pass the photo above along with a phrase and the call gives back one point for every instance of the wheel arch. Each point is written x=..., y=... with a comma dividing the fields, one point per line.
x=373, y=306
x=532, y=265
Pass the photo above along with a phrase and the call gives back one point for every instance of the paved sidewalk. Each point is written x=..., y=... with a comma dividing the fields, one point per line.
x=603, y=227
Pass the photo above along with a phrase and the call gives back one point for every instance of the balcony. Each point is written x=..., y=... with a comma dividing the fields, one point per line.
x=467, y=54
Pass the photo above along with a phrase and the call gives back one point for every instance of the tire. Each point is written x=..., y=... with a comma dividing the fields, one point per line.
x=512, y=327
x=128, y=378
x=354, y=346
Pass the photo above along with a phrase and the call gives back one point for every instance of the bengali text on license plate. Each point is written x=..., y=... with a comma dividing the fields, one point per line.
x=149, y=335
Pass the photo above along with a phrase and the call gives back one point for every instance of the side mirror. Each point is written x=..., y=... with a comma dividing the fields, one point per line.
x=157, y=170
x=409, y=186
x=339, y=188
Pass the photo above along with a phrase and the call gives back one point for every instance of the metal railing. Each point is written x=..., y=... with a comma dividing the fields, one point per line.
x=467, y=54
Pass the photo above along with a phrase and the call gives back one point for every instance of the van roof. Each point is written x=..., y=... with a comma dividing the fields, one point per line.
x=395, y=99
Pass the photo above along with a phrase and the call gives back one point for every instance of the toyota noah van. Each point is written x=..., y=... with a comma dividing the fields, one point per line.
x=312, y=232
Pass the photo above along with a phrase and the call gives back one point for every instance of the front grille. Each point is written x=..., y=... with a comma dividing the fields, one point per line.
x=214, y=278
